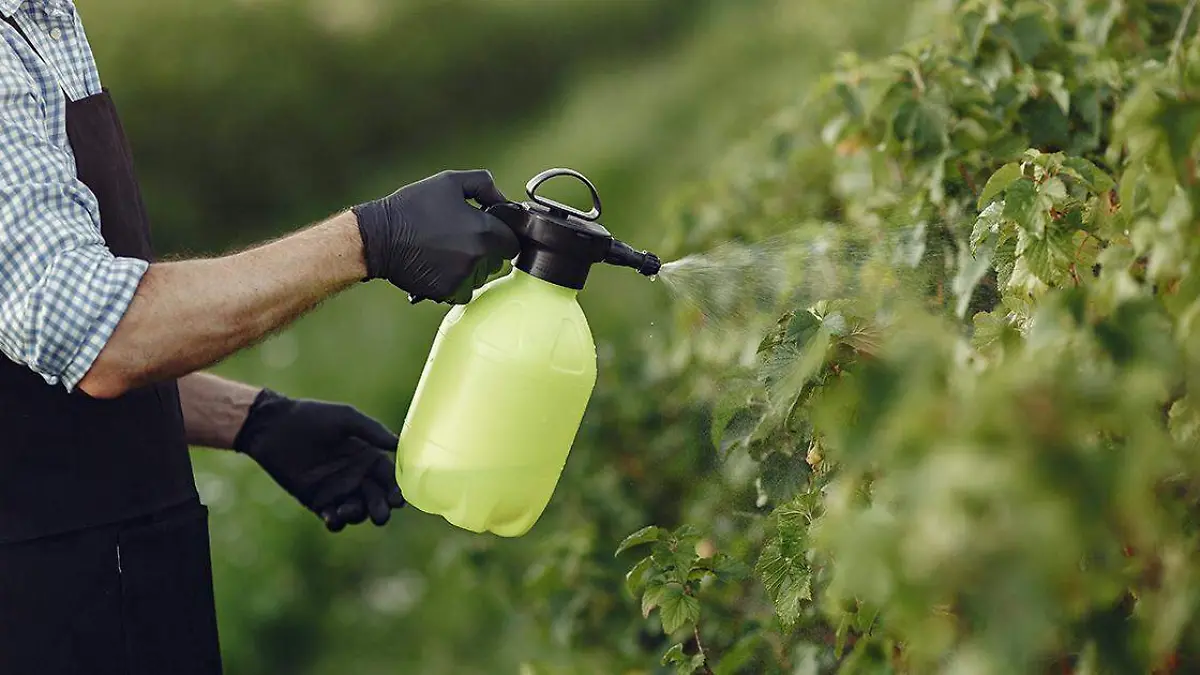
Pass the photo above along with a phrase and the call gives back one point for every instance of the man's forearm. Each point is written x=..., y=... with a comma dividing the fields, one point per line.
x=188, y=315
x=214, y=409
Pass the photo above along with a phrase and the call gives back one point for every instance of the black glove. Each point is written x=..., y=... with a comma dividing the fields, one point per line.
x=427, y=240
x=332, y=458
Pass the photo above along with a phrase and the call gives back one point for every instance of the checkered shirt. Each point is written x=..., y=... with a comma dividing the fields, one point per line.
x=62, y=292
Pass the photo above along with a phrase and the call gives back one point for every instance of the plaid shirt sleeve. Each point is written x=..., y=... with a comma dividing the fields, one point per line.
x=62, y=292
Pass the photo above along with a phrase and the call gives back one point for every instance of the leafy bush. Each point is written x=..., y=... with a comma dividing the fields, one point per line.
x=973, y=448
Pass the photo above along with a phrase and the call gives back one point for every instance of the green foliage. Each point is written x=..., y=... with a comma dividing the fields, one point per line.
x=979, y=454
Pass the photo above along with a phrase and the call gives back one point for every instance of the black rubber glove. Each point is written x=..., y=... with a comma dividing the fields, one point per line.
x=427, y=240
x=332, y=458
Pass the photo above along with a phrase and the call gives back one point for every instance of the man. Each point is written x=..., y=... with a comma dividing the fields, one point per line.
x=104, y=559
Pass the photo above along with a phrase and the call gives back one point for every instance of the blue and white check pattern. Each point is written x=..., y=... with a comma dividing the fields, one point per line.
x=62, y=292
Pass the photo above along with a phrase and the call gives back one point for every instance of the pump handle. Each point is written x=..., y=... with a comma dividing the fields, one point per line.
x=536, y=182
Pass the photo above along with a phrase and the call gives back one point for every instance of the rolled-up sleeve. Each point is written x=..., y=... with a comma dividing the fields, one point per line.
x=62, y=292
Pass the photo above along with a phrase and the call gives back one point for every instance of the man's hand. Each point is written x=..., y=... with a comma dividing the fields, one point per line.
x=332, y=458
x=427, y=240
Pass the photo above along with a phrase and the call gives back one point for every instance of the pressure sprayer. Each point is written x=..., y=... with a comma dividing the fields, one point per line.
x=510, y=373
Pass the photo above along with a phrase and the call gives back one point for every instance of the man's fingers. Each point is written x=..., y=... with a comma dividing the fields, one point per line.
x=332, y=522
x=353, y=511
x=373, y=432
x=396, y=499
x=377, y=504
x=384, y=473
x=480, y=186
x=464, y=293
x=343, y=477
x=500, y=239
x=481, y=274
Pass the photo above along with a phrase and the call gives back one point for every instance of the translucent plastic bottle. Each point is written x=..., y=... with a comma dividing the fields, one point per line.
x=498, y=406
x=509, y=375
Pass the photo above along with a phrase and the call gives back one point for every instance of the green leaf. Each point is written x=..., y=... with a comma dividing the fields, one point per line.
x=1047, y=257
x=646, y=535
x=1005, y=260
x=1184, y=420
x=992, y=329
x=868, y=657
x=1008, y=146
x=674, y=560
x=851, y=99
x=988, y=223
x=731, y=568
x=686, y=534
x=802, y=327
x=835, y=324
x=1046, y=123
x=685, y=664
x=999, y=182
x=1093, y=177
x=783, y=475
x=974, y=26
x=1054, y=85
x=639, y=574
x=674, y=655
x=735, y=414
x=787, y=579
x=1180, y=122
x=1028, y=35
x=1055, y=190
x=1098, y=21
x=652, y=598
x=677, y=609
x=1087, y=107
x=775, y=337
x=970, y=271
x=1019, y=200
x=1085, y=250
x=741, y=654
x=922, y=123
x=738, y=429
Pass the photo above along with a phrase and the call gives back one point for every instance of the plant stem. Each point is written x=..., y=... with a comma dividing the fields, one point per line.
x=700, y=647
x=918, y=81
x=962, y=171
x=1177, y=44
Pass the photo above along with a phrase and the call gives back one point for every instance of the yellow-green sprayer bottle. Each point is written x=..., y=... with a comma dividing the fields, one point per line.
x=510, y=374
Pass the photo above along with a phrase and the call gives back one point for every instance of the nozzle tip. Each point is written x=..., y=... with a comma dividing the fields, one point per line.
x=643, y=261
x=651, y=265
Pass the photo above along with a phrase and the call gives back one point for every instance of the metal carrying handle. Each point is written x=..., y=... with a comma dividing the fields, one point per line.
x=536, y=182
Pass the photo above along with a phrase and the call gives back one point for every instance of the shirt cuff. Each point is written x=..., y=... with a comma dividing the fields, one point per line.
x=117, y=286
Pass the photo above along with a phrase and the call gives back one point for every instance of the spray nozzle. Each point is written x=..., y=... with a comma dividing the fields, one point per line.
x=624, y=255
x=560, y=243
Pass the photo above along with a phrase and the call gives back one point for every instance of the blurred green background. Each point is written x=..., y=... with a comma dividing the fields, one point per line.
x=252, y=118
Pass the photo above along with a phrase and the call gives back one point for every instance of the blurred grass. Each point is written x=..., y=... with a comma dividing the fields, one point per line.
x=419, y=596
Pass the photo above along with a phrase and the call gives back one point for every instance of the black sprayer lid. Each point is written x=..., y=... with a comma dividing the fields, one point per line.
x=559, y=243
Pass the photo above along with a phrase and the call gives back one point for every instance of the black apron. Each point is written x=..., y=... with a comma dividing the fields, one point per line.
x=105, y=566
